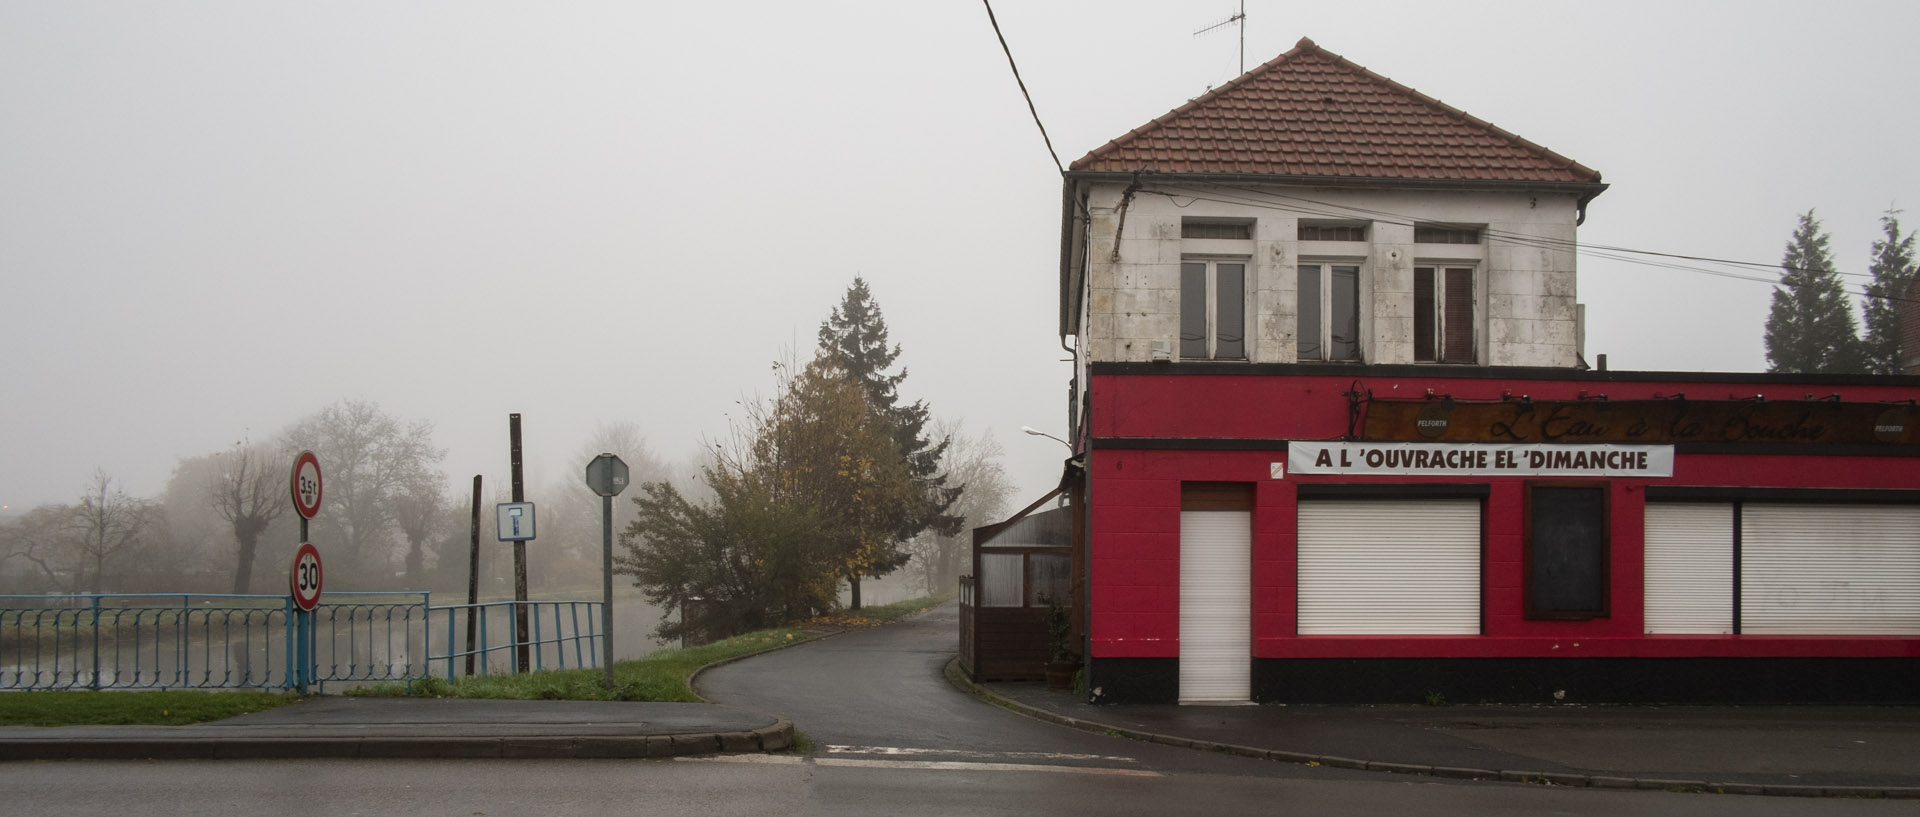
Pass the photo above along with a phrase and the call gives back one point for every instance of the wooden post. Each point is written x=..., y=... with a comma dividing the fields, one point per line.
x=473, y=573
x=521, y=634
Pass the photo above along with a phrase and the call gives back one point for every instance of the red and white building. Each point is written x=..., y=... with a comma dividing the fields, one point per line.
x=1338, y=439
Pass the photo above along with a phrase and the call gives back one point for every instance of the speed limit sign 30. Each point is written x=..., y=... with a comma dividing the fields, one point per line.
x=305, y=578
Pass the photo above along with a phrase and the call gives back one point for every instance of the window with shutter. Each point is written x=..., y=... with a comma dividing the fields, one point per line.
x=1458, y=320
x=1443, y=315
x=1328, y=313
x=1213, y=310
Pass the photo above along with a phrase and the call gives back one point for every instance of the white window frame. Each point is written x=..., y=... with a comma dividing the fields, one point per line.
x=1212, y=328
x=1360, y=293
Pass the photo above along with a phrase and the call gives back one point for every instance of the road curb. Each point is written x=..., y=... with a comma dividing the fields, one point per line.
x=771, y=738
x=693, y=677
x=960, y=680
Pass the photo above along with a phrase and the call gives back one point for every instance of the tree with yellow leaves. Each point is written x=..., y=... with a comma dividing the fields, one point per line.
x=829, y=449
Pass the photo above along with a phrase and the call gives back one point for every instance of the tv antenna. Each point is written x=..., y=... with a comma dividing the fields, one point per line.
x=1238, y=19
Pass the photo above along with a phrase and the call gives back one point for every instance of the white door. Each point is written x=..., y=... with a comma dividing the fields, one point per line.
x=1216, y=607
x=1390, y=567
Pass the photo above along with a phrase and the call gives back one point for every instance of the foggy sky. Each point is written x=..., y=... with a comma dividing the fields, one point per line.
x=218, y=217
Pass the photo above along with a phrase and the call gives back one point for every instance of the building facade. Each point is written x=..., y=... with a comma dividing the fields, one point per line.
x=1341, y=441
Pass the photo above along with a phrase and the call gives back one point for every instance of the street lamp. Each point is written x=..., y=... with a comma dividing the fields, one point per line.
x=1038, y=433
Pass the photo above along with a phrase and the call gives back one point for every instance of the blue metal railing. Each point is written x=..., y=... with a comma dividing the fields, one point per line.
x=144, y=641
x=555, y=628
x=364, y=637
x=209, y=641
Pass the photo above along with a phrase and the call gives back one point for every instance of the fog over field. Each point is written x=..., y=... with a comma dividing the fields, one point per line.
x=218, y=218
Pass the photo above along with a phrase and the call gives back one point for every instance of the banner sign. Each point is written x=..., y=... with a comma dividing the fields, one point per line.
x=1487, y=460
x=1644, y=422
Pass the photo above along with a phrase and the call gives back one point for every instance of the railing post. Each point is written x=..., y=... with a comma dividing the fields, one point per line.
x=450, y=617
x=182, y=673
x=286, y=609
x=485, y=645
x=304, y=663
x=95, y=684
x=538, y=662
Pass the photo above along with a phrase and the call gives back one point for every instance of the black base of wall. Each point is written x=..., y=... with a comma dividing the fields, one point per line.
x=1535, y=680
x=1133, y=680
x=1589, y=680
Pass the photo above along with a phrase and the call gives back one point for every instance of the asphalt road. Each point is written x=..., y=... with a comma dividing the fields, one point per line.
x=882, y=694
x=795, y=786
x=889, y=737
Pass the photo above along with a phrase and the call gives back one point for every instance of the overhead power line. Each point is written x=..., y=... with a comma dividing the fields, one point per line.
x=1253, y=197
x=1023, y=88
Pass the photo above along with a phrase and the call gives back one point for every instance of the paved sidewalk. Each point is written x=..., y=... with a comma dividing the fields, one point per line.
x=1857, y=751
x=422, y=727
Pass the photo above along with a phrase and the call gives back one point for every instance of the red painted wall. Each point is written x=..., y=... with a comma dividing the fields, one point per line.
x=1134, y=502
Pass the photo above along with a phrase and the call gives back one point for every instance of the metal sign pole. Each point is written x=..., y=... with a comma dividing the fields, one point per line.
x=304, y=669
x=607, y=476
x=304, y=581
x=606, y=580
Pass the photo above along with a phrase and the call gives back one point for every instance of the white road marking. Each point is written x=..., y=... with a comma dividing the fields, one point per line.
x=904, y=751
x=936, y=765
x=980, y=767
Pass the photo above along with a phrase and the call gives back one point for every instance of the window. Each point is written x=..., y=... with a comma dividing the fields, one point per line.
x=1050, y=575
x=1332, y=232
x=1566, y=551
x=1329, y=312
x=1213, y=310
x=1443, y=324
x=1232, y=231
x=1445, y=234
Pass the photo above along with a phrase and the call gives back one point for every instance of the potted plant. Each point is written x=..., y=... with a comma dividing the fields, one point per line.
x=1062, y=660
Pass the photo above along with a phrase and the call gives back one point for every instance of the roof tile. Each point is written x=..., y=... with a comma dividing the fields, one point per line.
x=1310, y=112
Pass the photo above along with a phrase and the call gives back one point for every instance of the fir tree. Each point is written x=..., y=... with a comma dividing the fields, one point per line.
x=855, y=338
x=1811, y=328
x=1893, y=270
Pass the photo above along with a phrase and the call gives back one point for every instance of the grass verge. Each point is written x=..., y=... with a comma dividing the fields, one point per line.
x=160, y=707
x=662, y=676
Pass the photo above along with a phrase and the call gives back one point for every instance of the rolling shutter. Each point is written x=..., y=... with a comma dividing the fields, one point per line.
x=1399, y=567
x=1689, y=568
x=1830, y=569
x=1216, y=605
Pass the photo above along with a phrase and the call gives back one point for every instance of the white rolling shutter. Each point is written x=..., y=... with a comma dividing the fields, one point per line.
x=1830, y=569
x=1216, y=606
x=1689, y=567
x=1390, y=567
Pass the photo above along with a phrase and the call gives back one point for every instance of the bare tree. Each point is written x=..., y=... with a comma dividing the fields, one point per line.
x=368, y=457
x=246, y=493
x=417, y=509
x=974, y=464
x=40, y=537
x=570, y=515
x=106, y=525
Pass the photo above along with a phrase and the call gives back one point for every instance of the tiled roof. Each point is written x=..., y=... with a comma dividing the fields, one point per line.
x=1310, y=112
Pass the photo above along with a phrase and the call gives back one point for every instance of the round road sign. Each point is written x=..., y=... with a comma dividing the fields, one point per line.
x=306, y=484
x=305, y=579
